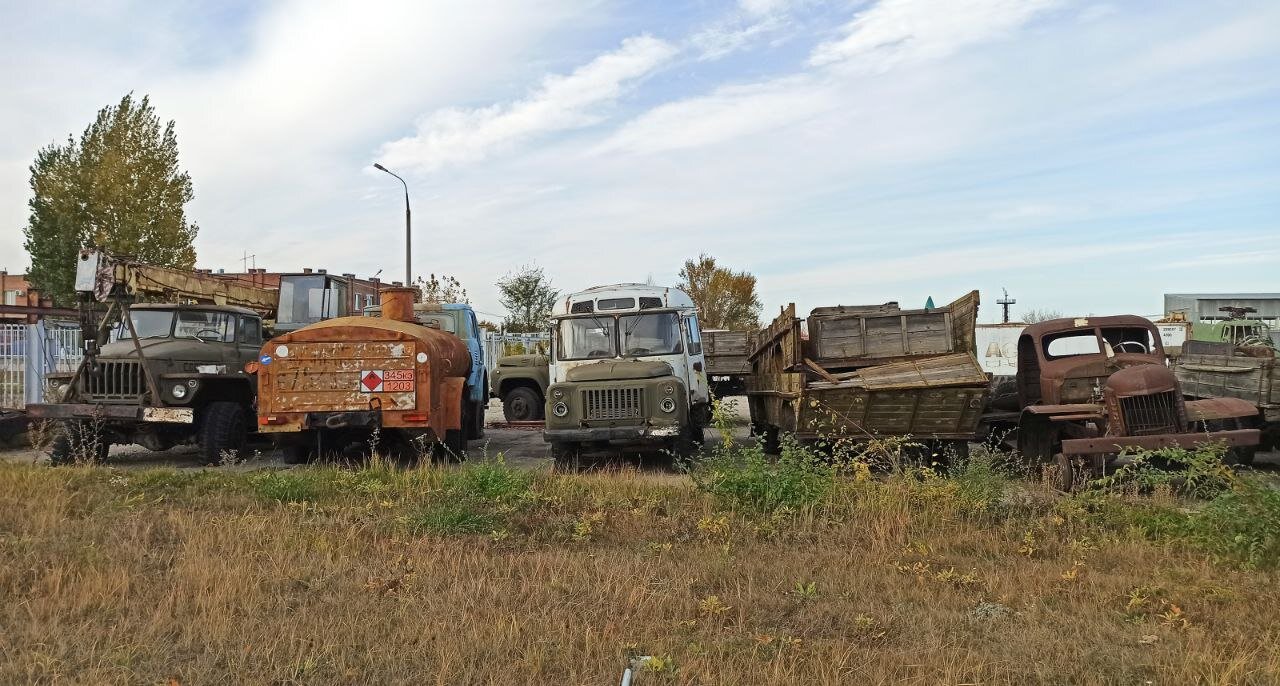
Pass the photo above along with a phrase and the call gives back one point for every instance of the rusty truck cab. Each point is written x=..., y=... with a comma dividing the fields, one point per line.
x=1068, y=360
x=1091, y=388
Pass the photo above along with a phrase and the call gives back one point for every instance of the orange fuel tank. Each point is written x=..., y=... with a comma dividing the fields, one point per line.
x=363, y=372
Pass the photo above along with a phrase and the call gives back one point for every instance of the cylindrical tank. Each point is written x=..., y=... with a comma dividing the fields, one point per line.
x=397, y=303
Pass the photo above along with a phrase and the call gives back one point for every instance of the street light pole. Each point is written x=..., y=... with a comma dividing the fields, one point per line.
x=408, y=234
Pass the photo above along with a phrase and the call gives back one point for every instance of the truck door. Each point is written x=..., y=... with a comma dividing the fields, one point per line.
x=477, y=380
x=248, y=341
x=699, y=390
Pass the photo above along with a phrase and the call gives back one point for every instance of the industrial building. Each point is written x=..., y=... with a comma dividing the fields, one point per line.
x=1205, y=307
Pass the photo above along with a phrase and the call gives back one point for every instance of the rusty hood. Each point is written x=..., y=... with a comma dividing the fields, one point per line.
x=619, y=369
x=1142, y=379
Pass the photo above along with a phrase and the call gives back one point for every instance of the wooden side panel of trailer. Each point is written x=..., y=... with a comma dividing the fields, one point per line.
x=842, y=338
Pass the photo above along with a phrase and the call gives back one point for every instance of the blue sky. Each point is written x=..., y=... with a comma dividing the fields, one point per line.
x=1087, y=156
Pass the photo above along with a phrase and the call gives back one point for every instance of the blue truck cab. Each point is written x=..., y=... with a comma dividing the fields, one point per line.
x=460, y=320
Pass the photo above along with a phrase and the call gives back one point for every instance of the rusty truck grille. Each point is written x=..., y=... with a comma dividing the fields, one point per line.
x=613, y=403
x=114, y=381
x=1146, y=415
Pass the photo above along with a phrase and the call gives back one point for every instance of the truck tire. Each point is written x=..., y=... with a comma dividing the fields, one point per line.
x=522, y=404
x=769, y=438
x=224, y=429
x=64, y=450
x=565, y=454
x=475, y=425
x=454, y=446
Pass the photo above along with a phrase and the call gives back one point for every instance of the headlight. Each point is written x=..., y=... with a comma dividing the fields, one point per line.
x=669, y=389
x=179, y=391
x=560, y=410
x=668, y=405
x=558, y=393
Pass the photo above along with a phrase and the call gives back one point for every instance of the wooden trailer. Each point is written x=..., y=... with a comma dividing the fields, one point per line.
x=869, y=372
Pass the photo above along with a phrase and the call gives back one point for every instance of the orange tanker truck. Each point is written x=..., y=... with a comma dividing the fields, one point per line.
x=329, y=385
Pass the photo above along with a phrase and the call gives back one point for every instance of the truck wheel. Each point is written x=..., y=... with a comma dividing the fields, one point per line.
x=565, y=454
x=453, y=447
x=477, y=421
x=1036, y=440
x=298, y=452
x=73, y=442
x=224, y=429
x=1066, y=476
x=522, y=404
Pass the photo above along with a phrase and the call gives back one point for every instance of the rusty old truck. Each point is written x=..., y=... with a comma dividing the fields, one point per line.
x=388, y=380
x=870, y=372
x=1091, y=388
x=1248, y=371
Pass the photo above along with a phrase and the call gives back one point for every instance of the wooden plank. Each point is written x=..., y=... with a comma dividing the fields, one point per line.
x=817, y=369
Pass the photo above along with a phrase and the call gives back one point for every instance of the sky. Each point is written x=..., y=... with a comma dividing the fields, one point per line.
x=1086, y=156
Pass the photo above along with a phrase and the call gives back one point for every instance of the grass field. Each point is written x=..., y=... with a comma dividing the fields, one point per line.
x=753, y=571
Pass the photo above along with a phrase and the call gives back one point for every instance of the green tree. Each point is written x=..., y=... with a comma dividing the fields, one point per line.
x=528, y=296
x=726, y=299
x=118, y=187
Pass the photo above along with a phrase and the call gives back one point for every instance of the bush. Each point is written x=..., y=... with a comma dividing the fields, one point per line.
x=744, y=477
x=1242, y=524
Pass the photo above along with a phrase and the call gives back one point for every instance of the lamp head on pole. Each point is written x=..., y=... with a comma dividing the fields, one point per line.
x=379, y=166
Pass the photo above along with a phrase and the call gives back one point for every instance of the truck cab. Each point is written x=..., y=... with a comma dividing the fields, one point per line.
x=460, y=320
x=1091, y=388
x=195, y=357
x=627, y=368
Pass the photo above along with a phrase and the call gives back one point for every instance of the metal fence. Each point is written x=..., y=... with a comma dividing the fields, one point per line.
x=30, y=351
x=498, y=344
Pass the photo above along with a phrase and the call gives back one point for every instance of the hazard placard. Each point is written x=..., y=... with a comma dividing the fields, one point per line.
x=370, y=380
x=386, y=381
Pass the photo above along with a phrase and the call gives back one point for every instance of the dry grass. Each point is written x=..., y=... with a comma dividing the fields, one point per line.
x=371, y=576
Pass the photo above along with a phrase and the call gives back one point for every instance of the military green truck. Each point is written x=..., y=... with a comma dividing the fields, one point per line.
x=168, y=373
x=520, y=382
x=627, y=370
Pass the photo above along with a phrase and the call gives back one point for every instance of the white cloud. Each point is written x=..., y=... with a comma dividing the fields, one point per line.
x=728, y=113
x=561, y=102
x=897, y=31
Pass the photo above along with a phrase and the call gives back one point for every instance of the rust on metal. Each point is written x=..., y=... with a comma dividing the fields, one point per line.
x=1116, y=444
x=388, y=371
x=1210, y=409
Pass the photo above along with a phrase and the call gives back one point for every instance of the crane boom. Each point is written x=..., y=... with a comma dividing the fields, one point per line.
x=106, y=276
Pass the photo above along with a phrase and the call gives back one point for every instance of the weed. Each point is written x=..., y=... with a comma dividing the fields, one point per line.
x=805, y=591
x=452, y=517
x=293, y=486
x=743, y=477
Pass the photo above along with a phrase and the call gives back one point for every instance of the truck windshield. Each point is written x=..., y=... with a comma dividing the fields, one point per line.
x=207, y=326
x=437, y=320
x=148, y=324
x=586, y=337
x=650, y=334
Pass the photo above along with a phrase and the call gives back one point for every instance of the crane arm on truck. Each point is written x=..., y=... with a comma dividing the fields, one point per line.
x=108, y=277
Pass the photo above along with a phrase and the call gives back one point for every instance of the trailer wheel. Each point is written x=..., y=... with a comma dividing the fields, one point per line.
x=768, y=437
x=224, y=430
x=522, y=404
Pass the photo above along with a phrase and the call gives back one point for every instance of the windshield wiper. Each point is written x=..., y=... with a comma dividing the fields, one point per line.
x=192, y=336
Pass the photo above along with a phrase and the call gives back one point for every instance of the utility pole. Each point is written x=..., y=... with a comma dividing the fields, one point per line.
x=1005, y=302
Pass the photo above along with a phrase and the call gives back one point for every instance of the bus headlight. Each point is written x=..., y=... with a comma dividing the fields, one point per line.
x=668, y=405
x=560, y=409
